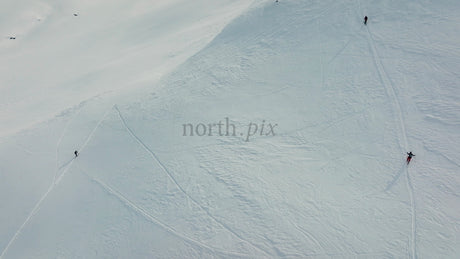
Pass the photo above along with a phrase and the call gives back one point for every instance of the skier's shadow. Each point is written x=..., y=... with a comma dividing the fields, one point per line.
x=66, y=163
x=395, y=179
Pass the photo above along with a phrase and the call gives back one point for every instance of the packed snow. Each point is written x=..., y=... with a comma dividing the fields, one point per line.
x=229, y=129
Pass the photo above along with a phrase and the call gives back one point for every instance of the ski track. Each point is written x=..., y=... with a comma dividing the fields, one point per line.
x=23, y=148
x=154, y=157
x=339, y=52
x=391, y=94
x=308, y=235
x=50, y=188
x=151, y=218
x=450, y=160
x=58, y=144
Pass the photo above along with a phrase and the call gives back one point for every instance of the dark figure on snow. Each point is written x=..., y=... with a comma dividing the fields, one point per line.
x=76, y=153
x=409, y=157
x=365, y=20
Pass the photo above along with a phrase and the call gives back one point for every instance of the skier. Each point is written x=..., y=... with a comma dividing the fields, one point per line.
x=365, y=20
x=76, y=153
x=409, y=157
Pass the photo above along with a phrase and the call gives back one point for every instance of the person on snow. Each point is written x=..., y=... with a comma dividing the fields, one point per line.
x=365, y=20
x=409, y=157
x=76, y=153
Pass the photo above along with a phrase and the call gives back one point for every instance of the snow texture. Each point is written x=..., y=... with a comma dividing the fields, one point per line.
x=337, y=104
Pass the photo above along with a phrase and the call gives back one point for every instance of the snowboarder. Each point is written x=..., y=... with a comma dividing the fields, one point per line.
x=76, y=153
x=409, y=157
x=365, y=20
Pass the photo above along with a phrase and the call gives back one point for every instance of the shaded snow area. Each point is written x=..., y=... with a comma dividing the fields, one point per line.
x=229, y=129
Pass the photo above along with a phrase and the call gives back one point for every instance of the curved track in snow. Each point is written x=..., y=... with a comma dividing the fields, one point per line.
x=404, y=146
x=53, y=184
x=165, y=170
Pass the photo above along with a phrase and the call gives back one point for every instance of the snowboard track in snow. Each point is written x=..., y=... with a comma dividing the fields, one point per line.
x=171, y=177
x=391, y=95
x=53, y=184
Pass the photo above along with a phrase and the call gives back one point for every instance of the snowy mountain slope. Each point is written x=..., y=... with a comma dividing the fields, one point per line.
x=59, y=60
x=348, y=101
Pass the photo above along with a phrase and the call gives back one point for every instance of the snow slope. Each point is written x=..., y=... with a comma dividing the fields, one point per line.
x=119, y=81
x=59, y=60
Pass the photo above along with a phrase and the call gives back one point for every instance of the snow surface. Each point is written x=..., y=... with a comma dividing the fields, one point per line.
x=117, y=80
